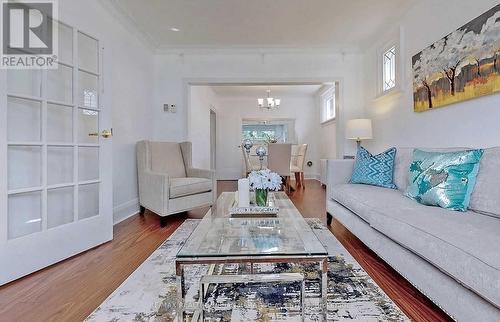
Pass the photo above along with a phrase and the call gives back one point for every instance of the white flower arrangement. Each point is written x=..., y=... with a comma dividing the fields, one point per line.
x=264, y=179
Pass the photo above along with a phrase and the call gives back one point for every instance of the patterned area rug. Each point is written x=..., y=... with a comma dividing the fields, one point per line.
x=149, y=293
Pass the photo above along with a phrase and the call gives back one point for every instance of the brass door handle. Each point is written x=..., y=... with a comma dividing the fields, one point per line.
x=105, y=133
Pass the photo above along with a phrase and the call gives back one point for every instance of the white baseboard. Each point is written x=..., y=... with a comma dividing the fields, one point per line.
x=125, y=210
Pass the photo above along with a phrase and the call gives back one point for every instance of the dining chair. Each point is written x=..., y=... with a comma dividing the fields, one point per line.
x=297, y=165
x=249, y=166
x=279, y=156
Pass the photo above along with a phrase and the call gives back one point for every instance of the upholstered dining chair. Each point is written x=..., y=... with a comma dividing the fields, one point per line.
x=297, y=164
x=279, y=156
x=168, y=183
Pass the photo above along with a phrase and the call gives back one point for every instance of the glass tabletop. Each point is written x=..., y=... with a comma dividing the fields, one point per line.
x=219, y=235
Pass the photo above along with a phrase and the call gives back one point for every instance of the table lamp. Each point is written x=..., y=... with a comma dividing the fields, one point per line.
x=359, y=129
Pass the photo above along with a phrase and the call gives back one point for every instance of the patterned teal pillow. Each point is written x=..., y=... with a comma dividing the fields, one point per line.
x=376, y=170
x=443, y=179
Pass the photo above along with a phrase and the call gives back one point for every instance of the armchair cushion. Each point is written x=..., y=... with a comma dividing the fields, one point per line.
x=180, y=187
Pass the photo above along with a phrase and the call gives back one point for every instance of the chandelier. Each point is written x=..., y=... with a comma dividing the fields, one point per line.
x=268, y=102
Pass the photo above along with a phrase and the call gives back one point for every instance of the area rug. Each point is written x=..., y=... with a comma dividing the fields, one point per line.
x=149, y=293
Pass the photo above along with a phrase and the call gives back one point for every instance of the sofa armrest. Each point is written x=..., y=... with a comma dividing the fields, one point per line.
x=338, y=172
x=154, y=191
x=208, y=174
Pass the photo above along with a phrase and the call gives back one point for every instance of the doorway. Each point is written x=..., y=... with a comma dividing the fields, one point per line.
x=213, y=139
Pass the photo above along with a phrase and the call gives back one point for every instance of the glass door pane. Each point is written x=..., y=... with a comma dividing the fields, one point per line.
x=59, y=123
x=65, y=44
x=88, y=53
x=60, y=206
x=24, y=120
x=24, y=167
x=24, y=214
x=60, y=84
x=26, y=82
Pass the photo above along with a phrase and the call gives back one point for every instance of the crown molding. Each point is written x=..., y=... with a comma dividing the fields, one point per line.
x=116, y=10
x=253, y=50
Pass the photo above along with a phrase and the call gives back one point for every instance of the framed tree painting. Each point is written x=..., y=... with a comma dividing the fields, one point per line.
x=463, y=65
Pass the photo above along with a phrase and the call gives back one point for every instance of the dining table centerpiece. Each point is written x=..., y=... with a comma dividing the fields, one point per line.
x=262, y=181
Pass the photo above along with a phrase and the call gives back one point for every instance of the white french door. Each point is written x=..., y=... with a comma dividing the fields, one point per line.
x=55, y=164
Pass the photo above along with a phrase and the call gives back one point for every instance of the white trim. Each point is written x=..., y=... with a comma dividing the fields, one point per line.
x=125, y=210
x=114, y=8
x=253, y=50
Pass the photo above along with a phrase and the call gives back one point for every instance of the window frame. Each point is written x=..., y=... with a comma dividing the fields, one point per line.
x=325, y=96
x=384, y=69
x=395, y=42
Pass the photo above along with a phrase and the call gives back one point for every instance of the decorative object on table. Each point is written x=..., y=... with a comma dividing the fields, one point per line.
x=150, y=291
x=463, y=65
x=253, y=210
x=243, y=193
x=375, y=170
x=268, y=102
x=247, y=144
x=359, y=129
x=261, y=153
x=262, y=181
x=444, y=179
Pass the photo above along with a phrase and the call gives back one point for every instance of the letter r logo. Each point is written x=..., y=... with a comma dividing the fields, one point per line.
x=27, y=28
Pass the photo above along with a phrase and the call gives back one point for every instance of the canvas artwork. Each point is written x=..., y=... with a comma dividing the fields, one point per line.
x=463, y=65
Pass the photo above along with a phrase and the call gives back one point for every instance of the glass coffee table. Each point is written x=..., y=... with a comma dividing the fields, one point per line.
x=220, y=239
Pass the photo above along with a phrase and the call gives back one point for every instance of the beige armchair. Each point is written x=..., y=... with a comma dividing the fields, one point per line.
x=168, y=184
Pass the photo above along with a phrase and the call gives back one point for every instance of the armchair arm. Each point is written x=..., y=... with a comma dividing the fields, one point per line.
x=208, y=174
x=154, y=191
x=200, y=173
x=338, y=172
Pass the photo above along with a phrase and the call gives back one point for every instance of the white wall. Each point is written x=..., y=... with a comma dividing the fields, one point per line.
x=129, y=91
x=472, y=123
x=233, y=109
x=173, y=73
x=202, y=100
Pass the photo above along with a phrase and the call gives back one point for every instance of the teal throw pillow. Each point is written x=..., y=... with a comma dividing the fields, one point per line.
x=376, y=170
x=443, y=179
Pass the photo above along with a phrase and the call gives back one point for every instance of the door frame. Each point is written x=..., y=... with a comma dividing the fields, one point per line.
x=213, y=135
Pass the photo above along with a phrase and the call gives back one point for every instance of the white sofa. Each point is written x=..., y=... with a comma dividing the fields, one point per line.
x=168, y=183
x=451, y=257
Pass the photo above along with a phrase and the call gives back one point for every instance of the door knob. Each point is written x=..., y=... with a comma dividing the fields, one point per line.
x=105, y=133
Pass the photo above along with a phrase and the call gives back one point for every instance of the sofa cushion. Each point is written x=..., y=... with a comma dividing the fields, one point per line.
x=484, y=198
x=180, y=187
x=166, y=157
x=403, y=160
x=444, y=179
x=463, y=245
x=376, y=170
x=360, y=198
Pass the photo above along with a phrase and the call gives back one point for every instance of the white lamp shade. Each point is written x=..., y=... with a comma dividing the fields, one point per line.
x=359, y=129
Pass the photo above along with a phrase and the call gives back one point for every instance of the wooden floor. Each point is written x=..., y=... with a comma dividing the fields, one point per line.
x=72, y=289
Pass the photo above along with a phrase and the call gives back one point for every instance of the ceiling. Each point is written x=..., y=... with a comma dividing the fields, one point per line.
x=330, y=24
x=260, y=90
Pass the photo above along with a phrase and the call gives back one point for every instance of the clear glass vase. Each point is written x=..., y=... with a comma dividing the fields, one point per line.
x=261, y=197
